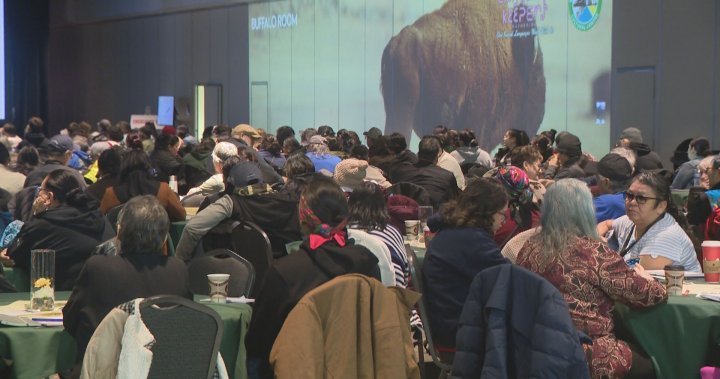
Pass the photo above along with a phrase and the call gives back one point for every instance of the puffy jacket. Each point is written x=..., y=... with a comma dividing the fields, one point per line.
x=515, y=324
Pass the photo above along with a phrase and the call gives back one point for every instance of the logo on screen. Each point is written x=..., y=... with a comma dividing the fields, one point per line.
x=584, y=13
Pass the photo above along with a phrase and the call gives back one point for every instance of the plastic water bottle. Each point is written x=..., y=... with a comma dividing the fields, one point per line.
x=696, y=178
x=173, y=183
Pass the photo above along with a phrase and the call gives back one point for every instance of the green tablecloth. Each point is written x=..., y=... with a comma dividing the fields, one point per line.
x=25, y=345
x=677, y=335
x=18, y=278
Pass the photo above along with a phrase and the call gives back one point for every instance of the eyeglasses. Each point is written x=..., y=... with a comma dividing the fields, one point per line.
x=640, y=199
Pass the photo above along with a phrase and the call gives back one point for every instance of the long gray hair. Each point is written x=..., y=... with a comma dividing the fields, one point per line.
x=567, y=212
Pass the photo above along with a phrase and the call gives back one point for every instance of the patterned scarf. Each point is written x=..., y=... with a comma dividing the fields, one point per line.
x=320, y=232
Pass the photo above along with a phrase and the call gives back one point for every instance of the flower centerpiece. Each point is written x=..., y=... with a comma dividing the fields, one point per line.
x=43, y=295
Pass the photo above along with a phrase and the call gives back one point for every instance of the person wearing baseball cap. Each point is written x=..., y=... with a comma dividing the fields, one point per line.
x=59, y=151
x=615, y=172
x=566, y=163
x=371, y=135
x=246, y=133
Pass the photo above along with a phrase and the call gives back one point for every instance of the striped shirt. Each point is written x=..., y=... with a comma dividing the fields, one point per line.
x=392, y=238
x=665, y=239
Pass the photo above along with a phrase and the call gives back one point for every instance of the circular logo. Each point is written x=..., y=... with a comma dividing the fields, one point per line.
x=584, y=13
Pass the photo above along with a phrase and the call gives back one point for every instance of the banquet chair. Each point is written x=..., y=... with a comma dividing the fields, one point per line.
x=222, y=261
x=411, y=190
x=416, y=284
x=187, y=335
x=253, y=244
x=113, y=215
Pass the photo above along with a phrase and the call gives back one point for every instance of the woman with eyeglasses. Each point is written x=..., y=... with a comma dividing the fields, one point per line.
x=65, y=220
x=462, y=248
x=649, y=233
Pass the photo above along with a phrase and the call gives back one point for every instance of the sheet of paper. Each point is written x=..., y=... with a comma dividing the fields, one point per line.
x=688, y=274
x=17, y=314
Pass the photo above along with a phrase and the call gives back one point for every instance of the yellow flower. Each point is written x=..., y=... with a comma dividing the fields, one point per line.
x=42, y=282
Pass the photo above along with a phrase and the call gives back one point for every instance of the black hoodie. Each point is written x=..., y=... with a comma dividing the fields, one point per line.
x=290, y=278
x=73, y=234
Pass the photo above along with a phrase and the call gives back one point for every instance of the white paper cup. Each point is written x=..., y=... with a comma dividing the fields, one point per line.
x=412, y=228
x=218, y=287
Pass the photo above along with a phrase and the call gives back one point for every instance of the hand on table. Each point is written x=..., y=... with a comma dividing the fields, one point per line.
x=641, y=271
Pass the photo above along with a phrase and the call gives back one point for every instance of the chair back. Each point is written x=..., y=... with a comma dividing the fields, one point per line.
x=187, y=335
x=411, y=190
x=113, y=215
x=253, y=244
x=222, y=261
x=192, y=201
x=416, y=283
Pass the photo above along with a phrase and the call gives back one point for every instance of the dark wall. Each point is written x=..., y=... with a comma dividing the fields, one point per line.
x=115, y=67
x=665, y=71
x=665, y=63
x=26, y=43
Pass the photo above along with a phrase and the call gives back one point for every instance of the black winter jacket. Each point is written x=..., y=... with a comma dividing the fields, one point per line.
x=515, y=324
x=73, y=234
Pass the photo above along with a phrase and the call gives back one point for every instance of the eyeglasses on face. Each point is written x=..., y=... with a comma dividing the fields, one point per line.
x=640, y=199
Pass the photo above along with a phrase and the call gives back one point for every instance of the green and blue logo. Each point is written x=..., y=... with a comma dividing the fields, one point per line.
x=584, y=13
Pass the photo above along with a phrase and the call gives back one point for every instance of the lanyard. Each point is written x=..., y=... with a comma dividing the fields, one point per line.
x=625, y=248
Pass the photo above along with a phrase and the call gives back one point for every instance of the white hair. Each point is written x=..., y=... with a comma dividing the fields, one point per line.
x=626, y=153
x=223, y=151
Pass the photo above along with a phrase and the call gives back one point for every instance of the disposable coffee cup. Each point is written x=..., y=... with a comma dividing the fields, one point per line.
x=412, y=228
x=674, y=277
x=711, y=261
x=218, y=287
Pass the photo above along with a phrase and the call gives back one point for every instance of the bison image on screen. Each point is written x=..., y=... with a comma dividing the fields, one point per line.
x=465, y=65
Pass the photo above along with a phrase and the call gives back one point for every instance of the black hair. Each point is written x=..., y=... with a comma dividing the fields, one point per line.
x=360, y=152
x=110, y=160
x=701, y=146
x=429, y=149
x=35, y=124
x=283, y=133
x=149, y=130
x=298, y=164
x=133, y=141
x=291, y=145
x=326, y=199
x=134, y=160
x=397, y=143
x=66, y=189
x=367, y=207
x=165, y=141
x=114, y=133
x=9, y=129
x=325, y=131
x=475, y=206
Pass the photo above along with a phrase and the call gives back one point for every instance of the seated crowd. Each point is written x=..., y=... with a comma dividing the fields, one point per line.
x=103, y=197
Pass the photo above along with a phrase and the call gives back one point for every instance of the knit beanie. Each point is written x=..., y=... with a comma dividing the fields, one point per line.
x=632, y=134
x=350, y=172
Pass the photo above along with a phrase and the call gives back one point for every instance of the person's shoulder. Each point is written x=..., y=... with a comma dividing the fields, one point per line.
x=99, y=262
